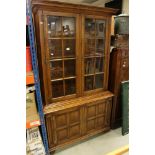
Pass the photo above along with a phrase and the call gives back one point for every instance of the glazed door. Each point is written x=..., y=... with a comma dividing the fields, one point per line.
x=94, y=55
x=61, y=42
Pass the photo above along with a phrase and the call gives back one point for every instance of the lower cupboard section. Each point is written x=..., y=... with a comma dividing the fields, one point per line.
x=77, y=123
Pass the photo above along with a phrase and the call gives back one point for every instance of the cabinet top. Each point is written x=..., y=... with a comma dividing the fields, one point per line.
x=74, y=8
x=77, y=102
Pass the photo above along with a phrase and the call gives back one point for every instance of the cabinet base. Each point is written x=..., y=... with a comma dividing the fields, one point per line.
x=78, y=119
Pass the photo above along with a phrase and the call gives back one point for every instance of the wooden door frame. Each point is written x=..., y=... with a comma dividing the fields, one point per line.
x=106, y=56
x=47, y=68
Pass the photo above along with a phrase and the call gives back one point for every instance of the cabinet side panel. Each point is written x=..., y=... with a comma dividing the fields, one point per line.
x=49, y=126
x=39, y=32
x=108, y=30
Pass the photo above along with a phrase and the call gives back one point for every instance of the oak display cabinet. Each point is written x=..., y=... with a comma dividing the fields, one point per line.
x=73, y=43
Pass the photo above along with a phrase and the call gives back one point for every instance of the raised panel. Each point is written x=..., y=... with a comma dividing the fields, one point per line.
x=74, y=131
x=62, y=135
x=66, y=125
x=98, y=115
x=100, y=122
x=74, y=116
x=61, y=120
x=101, y=108
x=91, y=125
x=91, y=111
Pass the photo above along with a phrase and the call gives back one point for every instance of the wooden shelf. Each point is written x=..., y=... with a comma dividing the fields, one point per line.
x=99, y=73
x=89, y=74
x=94, y=74
x=59, y=59
x=62, y=38
x=71, y=77
x=94, y=56
x=94, y=38
x=65, y=78
x=29, y=78
x=32, y=121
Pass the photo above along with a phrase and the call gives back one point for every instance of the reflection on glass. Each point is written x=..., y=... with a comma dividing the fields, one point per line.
x=100, y=28
x=99, y=65
x=69, y=47
x=99, y=47
x=55, y=48
x=89, y=27
x=57, y=89
x=99, y=81
x=89, y=47
x=70, y=86
x=56, y=70
x=68, y=27
x=89, y=83
x=54, y=26
x=69, y=68
x=89, y=65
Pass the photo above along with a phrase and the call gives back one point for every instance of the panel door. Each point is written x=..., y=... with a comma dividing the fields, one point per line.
x=61, y=43
x=94, y=54
x=64, y=126
x=97, y=115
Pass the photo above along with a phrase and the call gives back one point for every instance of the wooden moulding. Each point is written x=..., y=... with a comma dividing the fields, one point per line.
x=47, y=4
x=76, y=102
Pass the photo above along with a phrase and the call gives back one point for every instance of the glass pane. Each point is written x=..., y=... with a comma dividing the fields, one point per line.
x=70, y=86
x=100, y=28
x=99, y=81
x=54, y=26
x=89, y=82
x=69, y=48
x=89, y=66
x=89, y=27
x=69, y=68
x=56, y=70
x=57, y=89
x=68, y=26
x=89, y=47
x=99, y=65
x=55, y=48
x=100, y=47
